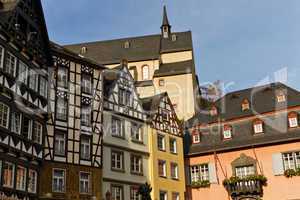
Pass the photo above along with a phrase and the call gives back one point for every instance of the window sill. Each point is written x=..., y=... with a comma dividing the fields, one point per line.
x=137, y=141
x=163, y=150
x=161, y=176
x=118, y=170
x=137, y=173
x=174, y=153
x=175, y=179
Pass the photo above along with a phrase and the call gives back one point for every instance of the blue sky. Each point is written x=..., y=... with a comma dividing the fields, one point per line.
x=240, y=42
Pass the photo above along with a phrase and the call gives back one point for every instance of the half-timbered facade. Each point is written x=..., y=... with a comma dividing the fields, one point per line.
x=24, y=61
x=166, y=148
x=73, y=144
x=125, y=141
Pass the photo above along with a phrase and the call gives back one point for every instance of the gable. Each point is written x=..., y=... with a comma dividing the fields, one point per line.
x=24, y=24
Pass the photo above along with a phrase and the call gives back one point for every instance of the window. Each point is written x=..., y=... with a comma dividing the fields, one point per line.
x=227, y=132
x=173, y=145
x=37, y=132
x=117, y=127
x=174, y=171
x=1, y=56
x=10, y=64
x=175, y=196
x=258, y=126
x=61, y=109
x=161, y=142
x=199, y=173
x=85, y=148
x=136, y=164
x=21, y=178
x=196, y=136
x=32, y=181
x=58, y=180
x=245, y=105
x=62, y=77
x=117, y=160
x=86, y=115
x=60, y=144
x=124, y=97
x=244, y=171
x=116, y=192
x=161, y=82
x=280, y=98
x=27, y=127
x=136, y=132
x=23, y=72
x=145, y=71
x=84, y=183
x=33, y=80
x=162, y=171
x=16, y=122
x=86, y=83
x=165, y=114
x=126, y=45
x=83, y=50
x=174, y=37
x=291, y=160
x=163, y=195
x=43, y=86
x=293, y=119
x=134, y=195
x=4, y=115
x=8, y=174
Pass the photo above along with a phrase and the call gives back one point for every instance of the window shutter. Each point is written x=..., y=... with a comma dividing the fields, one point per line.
x=187, y=175
x=212, y=173
x=277, y=164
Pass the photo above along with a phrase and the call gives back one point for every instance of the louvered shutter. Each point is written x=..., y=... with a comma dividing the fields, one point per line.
x=277, y=162
x=212, y=173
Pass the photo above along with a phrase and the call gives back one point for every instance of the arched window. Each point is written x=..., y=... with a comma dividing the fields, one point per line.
x=145, y=71
x=293, y=119
x=258, y=126
x=227, y=132
x=245, y=105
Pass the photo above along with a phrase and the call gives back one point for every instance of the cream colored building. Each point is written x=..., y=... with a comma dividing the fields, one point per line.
x=159, y=63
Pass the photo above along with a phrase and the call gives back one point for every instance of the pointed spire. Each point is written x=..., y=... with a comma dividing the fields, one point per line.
x=165, y=27
x=165, y=21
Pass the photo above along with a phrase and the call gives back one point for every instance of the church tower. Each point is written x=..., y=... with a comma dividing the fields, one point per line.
x=165, y=27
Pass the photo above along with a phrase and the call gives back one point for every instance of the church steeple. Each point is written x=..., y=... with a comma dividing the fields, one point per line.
x=165, y=27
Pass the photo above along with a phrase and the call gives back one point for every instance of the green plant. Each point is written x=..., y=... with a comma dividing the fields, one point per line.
x=234, y=179
x=200, y=184
x=289, y=173
x=145, y=191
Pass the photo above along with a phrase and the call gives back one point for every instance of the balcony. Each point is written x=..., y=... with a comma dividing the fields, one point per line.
x=251, y=185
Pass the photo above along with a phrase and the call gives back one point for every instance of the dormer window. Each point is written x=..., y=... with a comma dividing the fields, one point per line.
x=174, y=37
x=280, y=98
x=227, y=132
x=213, y=111
x=293, y=119
x=83, y=50
x=126, y=45
x=245, y=105
x=196, y=137
x=258, y=126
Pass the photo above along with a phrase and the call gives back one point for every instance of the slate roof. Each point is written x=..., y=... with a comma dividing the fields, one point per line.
x=262, y=100
x=151, y=104
x=140, y=48
x=177, y=68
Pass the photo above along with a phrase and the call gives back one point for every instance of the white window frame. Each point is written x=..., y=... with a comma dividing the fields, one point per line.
x=258, y=128
x=86, y=115
x=32, y=181
x=23, y=75
x=199, y=172
x=134, y=195
x=196, y=138
x=86, y=84
x=16, y=125
x=164, y=193
x=281, y=98
x=33, y=80
x=60, y=144
x=164, y=168
x=136, y=164
x=174, y=166
x=117, y=191
x=173, y=145
x=163, y=137
x=4, y=119
x=56, y=179
x=176, y=195
x=117, y=127
x=291, y=160
x=11, y=171
x=8, y=66
x=145, y=72
x=43, y=86
x=85, y=182
x=293, y=122
x=244, y=171
x=29, y=134
x=117, y=157
x=85, y=148
x=61, y=109
x=37, y=133
x=136, y=132
x=62, y=77
x=21, y=184
x=227, y=134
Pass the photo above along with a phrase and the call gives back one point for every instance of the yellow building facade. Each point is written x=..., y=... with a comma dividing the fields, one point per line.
x=166, y=163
